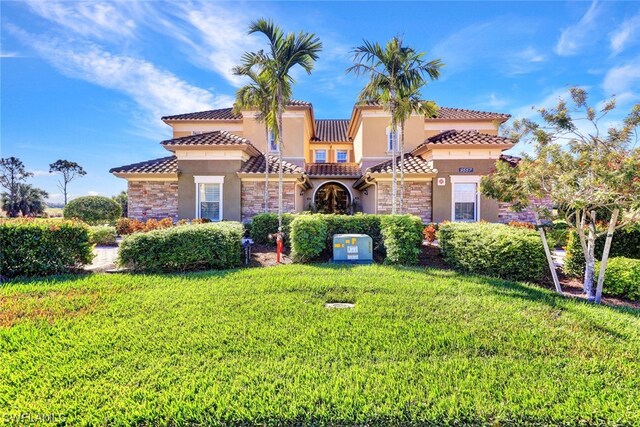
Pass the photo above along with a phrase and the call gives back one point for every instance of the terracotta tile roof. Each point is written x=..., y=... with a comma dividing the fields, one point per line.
x=223, y=113
x=333, y=169
x=412, y=164
x=162, y=165
x=449, y=113
x=512, y=160
x=218, y=137
x=331, y=130
x=256, y=164
x=464, y=137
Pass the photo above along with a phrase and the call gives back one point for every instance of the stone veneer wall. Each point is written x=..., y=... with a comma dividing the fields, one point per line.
x=505, y=215
x=252, y=197
x=153, y=199
x=417, y=198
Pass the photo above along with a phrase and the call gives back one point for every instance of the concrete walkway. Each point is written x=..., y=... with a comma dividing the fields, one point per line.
x=105, y=258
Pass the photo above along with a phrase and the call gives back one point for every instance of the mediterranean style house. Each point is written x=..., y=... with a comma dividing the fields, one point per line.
x=216, y=169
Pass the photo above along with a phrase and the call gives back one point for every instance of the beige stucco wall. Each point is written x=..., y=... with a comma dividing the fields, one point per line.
x=185, y=128
x=442, y=194
x=332, y=148
x=434, y=127
x=230, y=189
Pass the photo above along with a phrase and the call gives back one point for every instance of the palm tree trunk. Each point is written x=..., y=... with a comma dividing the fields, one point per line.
x=401, y=210
x=394, y=144
x=266, y=171
x=280, y=174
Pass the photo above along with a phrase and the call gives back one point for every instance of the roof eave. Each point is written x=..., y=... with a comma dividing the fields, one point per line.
x=147, y=175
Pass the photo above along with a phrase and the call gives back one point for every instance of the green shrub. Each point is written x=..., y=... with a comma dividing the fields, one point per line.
x=622, y=278
x=402, y=235
x=353, y=224
x=94, y=210
x=308, y=237
x=493, y=249
x=104, y=235
x=31, y=247
x=558, y=235
x=267, y=223
x=625, y=243
x=188, y=247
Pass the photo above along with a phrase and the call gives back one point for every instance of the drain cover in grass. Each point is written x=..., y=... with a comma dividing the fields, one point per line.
x=339, y=305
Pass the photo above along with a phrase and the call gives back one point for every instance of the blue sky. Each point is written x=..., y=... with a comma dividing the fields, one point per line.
x=89, y=81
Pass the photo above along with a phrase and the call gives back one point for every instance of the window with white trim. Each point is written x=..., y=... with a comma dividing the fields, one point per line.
x=465, y=201
x=341, y=156
x=273, y=145
x=320, y=156
x=390, y=139
x=209, y=197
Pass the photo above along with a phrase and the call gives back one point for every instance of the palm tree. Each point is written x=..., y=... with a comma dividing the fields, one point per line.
x=284, y=53
x=410, y=103
x=256, y=95
x=28, y=200
x=393, y=71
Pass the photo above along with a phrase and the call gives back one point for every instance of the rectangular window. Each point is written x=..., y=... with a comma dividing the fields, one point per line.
x=390, y=141
x=210, y=201
x=273, y=146
x=465, y=200
x=341, y=156
x=321, y=156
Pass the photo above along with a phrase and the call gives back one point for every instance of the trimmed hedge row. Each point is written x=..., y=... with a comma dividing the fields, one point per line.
x=104, y=235
x=94, y=210
x=399, y=236
x=625, y=243
x=267, y=223
x=493, y=250
x=188, y=247
x=39, y=247
x=622, y=278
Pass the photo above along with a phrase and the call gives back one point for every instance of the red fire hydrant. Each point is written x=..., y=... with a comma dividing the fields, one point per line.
x=279, y=246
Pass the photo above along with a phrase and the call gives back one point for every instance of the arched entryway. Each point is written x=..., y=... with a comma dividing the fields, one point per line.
x=332, y=197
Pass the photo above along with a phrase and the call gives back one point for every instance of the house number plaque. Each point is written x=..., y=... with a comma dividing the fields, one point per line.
x=465, y=170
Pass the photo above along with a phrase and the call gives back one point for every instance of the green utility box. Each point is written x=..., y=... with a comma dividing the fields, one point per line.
x=352, y=248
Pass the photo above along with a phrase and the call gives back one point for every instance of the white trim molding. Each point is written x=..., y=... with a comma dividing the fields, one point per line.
x=465, y=179
x=209, y=179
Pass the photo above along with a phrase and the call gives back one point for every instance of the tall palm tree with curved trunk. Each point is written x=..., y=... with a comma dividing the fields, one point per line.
x=285, y=52
x=255, y=95
x=393, y=70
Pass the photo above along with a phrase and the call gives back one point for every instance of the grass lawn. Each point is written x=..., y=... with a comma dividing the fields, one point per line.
x=257, y=346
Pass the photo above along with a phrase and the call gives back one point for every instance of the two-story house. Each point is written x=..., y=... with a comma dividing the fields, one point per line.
x=216, y=169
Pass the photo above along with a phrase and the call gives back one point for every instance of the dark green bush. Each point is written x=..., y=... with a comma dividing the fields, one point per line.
x=493, y=249
x=402, y=236
x=94, y=210
x=622, y=278
x=267, y=223
x=308, y=237
x=32, y=247
x=354, y=224
x=557, y=236
x=104, y=235
x=188, y=247
x=625, y=243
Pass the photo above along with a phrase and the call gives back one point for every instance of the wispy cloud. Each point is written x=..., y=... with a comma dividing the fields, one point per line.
x=96, y=19
x=623, y=81
x=157, y=92
x=9, y=55
x=625, y=34
x=495, y=101
x=37, y=173
x=524, y=61
x=575, y=37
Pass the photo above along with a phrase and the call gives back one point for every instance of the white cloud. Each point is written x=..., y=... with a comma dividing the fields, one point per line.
x=97, y=19
x=530, y=54
x=37, y=173
x=9, y=55
x=623, y=81
x=213, y=37
x=93, y=193
x=575, y=37
x=625, y=34
x=157, y=92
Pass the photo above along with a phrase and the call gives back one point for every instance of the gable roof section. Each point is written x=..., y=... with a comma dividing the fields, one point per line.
x=256, y=164
x=450, y=113
x=217, y=139
x=164, y=165
x=333, y=169
x=222, y=113
x=461, y=138
x=331, y=130
x=412, y=164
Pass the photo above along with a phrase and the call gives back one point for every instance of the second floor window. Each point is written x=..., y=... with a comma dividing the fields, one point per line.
x=390, y=138
x=341, y=156
x=321, y=156
x=273, y=145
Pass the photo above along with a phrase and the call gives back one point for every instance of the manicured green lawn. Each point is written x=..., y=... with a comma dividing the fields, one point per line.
x=258, y=346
